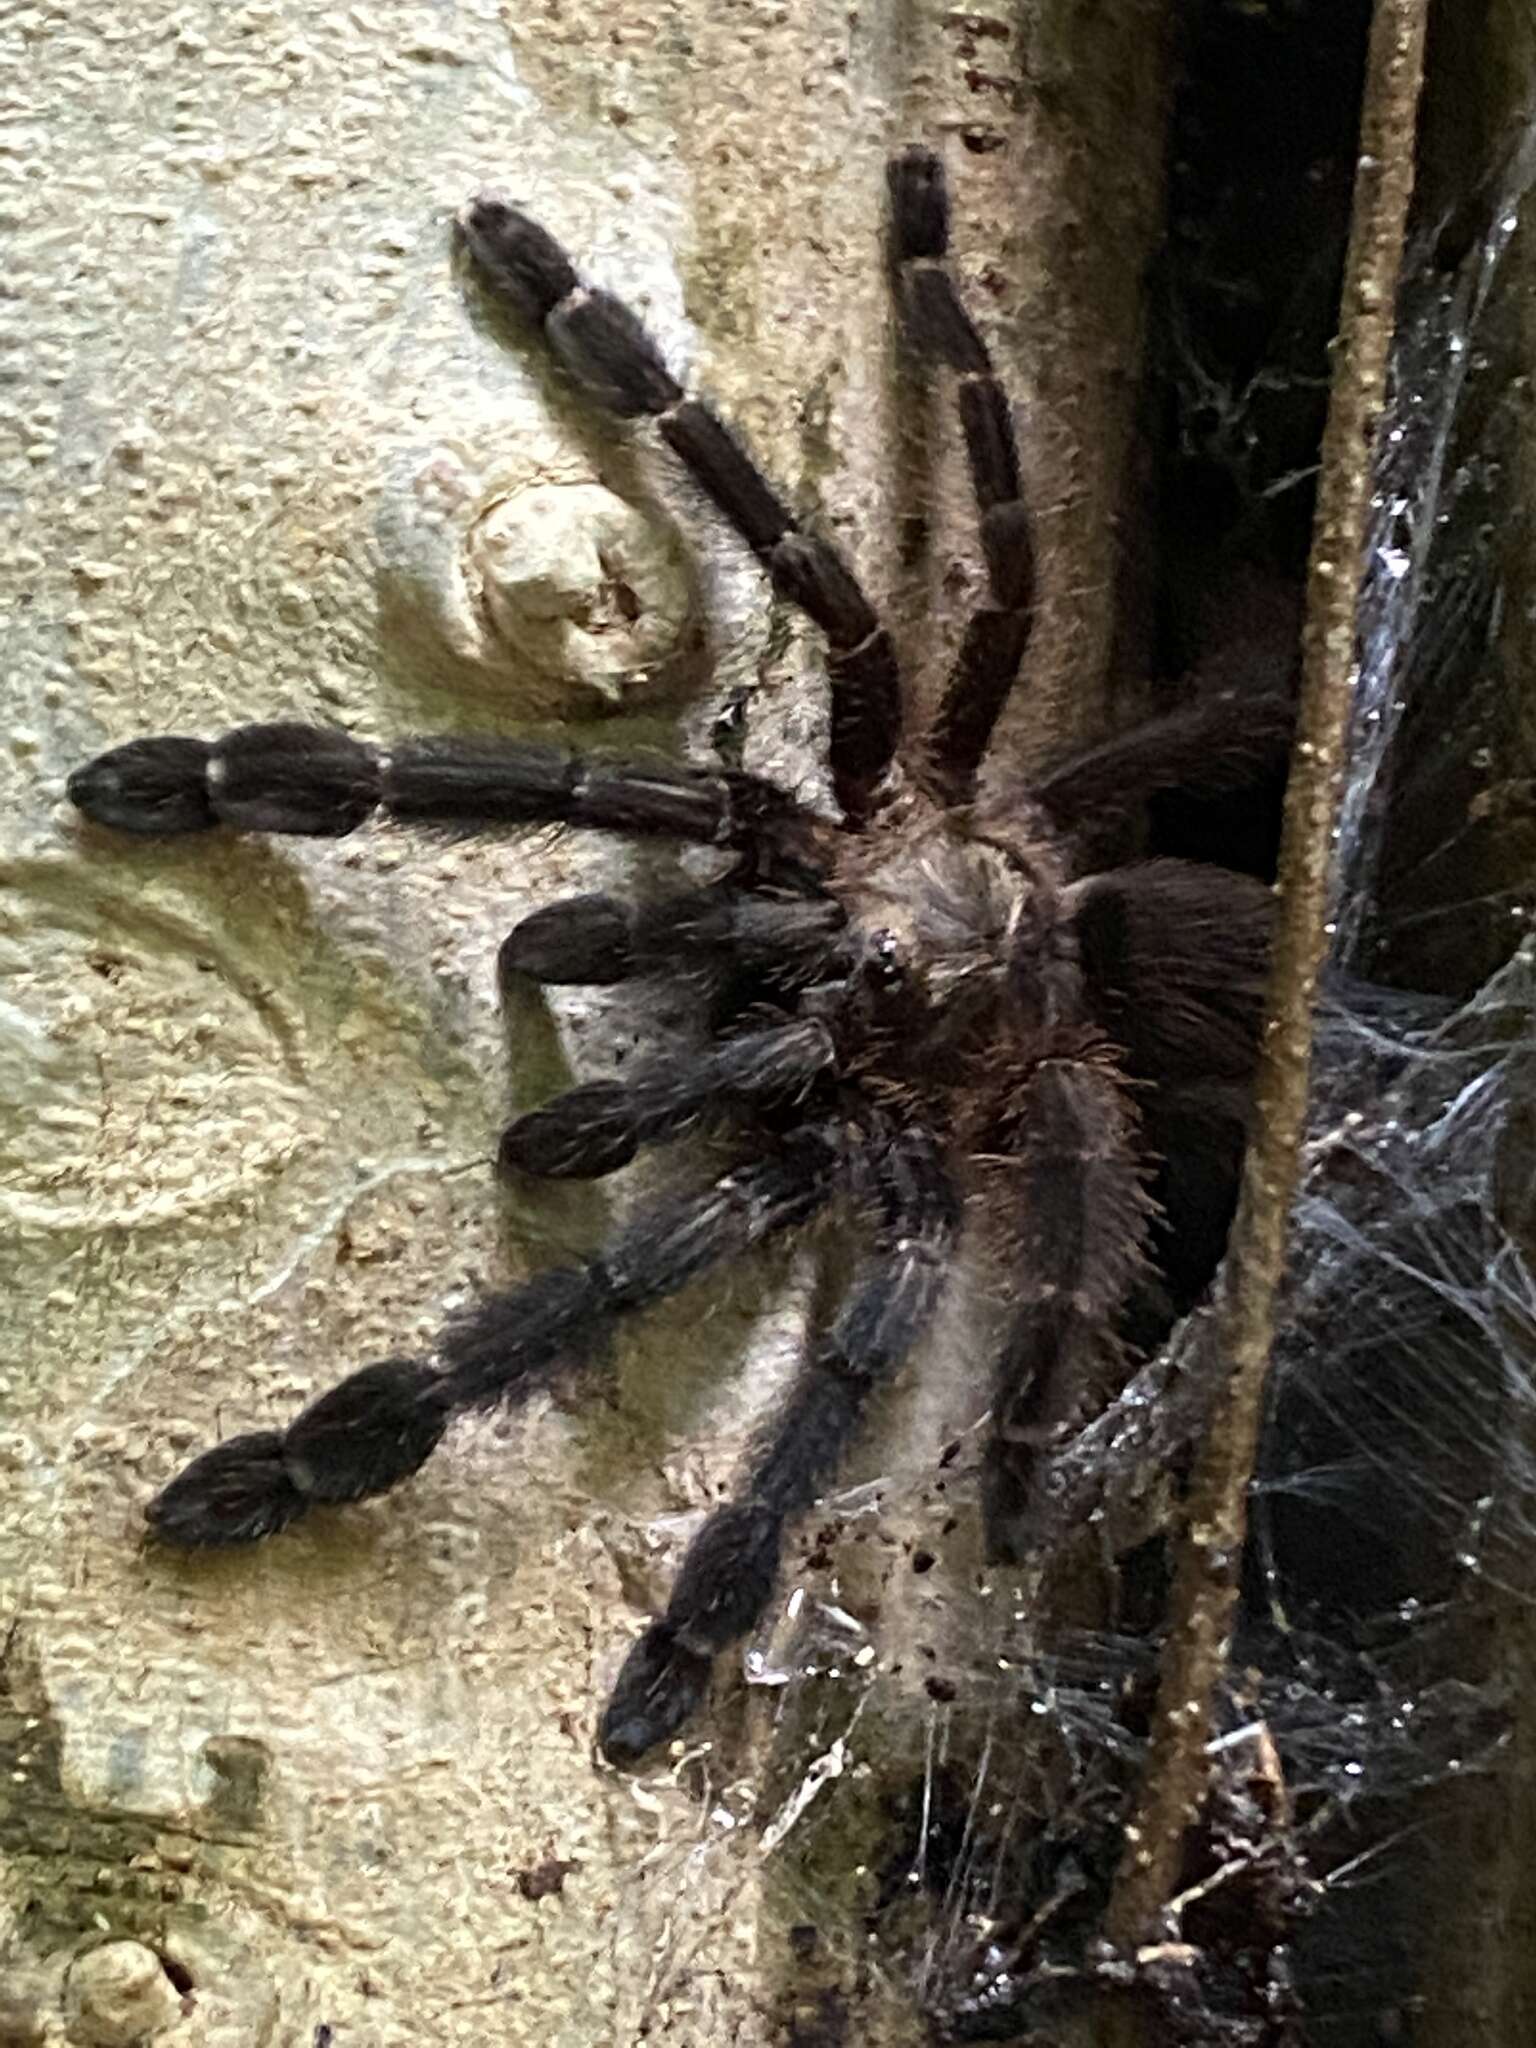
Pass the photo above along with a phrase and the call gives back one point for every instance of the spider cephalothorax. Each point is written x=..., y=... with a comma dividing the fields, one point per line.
x=943, y=1002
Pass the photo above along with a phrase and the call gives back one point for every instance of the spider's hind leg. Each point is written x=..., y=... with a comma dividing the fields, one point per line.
x=383, y=1422
x=727, y=1577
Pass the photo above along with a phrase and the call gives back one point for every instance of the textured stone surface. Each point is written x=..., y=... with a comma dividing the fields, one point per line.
x=257, y=1085
x=119, y=1994
x=254, y=1086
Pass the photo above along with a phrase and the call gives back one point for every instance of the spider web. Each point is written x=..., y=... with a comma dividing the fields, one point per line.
x=949, y=1773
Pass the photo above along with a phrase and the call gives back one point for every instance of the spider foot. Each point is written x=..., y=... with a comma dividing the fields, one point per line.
x=584, y=1134
x=584, y=939
x=238, y=1492
x=784, y=933
x=259, y=778
x=521, y=260
x=366, y=1435
x=661, y=1684
x=154, y=786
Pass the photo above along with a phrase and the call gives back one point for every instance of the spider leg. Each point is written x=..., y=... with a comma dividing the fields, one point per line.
x=1078, y=1183
x=1178, y=955
x=601, y=939
x=383, y=1422
x=941, y=331
x=1220, y=743
x=727, y=1577
x=618, y=366
x=1197, y=1131
x=597, y=1128
x=313, y=780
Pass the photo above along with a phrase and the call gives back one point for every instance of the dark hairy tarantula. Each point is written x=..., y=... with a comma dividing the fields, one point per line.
x=947, y=1011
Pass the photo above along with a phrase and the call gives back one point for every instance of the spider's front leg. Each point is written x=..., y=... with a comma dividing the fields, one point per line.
x=1226, y=741
x=594, y=1129
x=321, y=783
x=383, y=1422
x=618, y=366
x=1175, y=955
x=727, y=1577
x=789, y=937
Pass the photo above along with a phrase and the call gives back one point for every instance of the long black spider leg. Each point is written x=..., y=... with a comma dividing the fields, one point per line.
x=1077, y=1178
x=727, y=1577
x=599, y=1127
x=1223, y=742
x=1177, y=953
x=941, y=331
x=589, y=940
x=618, y=366
x=313, y=780
x=382, y=1423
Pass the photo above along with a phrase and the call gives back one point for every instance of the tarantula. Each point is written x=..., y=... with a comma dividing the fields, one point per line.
x=943, y=1003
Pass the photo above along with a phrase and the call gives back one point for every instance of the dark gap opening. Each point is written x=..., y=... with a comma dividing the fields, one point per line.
x=1243, y=305
x=1243, y=308
x=177, y=1974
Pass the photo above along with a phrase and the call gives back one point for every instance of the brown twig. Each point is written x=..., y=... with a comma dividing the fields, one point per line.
x=1206, y=1580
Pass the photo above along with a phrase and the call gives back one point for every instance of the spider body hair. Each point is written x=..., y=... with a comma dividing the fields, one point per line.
x=956, y=1008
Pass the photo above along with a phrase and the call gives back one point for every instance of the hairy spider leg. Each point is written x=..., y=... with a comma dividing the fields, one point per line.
x=727, y=1577
x=1219, y=744
x=595, y=940
x=942, y=332
x=1075, y=1176
x=382, y=1423
x=314, y=780
x=1177, y=952
x=617, y=365
x=600, y=1126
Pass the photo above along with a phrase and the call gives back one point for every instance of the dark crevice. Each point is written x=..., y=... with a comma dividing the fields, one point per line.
x=1244, y=306
x=177, y=1975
